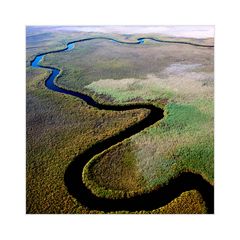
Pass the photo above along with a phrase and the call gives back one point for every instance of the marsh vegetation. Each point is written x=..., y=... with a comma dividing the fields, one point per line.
x=60, y=127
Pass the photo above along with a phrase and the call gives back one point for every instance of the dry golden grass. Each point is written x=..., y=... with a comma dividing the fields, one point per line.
x=189, y=202
x=58, y=128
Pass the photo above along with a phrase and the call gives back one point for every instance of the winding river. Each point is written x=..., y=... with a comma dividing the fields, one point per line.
x=147, y=201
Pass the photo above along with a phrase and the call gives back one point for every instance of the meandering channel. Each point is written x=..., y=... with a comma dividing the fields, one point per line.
x=147, y=201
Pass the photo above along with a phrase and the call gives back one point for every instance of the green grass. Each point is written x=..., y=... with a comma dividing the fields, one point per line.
x=182, y=141
x=59, y=127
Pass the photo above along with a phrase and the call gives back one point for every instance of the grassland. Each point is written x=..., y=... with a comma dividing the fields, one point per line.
x=182, y=141
x=59, y=127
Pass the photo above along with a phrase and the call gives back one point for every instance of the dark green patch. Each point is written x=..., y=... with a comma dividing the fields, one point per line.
x=182, y=117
